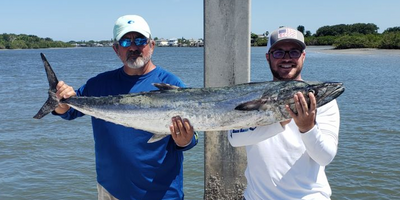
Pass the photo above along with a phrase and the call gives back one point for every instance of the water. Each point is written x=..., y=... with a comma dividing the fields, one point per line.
x=54, y=159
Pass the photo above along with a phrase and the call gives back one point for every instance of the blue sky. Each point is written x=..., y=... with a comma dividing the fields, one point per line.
x=78, y=20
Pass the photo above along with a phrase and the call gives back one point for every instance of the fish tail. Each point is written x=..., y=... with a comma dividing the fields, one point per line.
x=52, y=101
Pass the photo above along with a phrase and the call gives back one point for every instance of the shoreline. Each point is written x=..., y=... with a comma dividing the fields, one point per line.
x=354, y=51
x=366, y=51
x=319, y=49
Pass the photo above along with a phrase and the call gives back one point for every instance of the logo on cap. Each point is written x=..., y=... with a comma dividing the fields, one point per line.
x=287, y=33
x=131, y=22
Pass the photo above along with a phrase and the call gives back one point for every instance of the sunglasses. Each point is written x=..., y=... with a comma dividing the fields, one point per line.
x=128, y=42
x=279, y=54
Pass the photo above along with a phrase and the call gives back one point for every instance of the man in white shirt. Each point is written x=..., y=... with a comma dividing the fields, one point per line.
x=287, y=160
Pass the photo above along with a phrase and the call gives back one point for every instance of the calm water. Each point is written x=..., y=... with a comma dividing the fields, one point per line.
x=54, y=159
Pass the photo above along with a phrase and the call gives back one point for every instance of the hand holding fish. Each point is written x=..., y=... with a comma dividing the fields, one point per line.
x=63, y=91
x=181, y=131
x=305, y=117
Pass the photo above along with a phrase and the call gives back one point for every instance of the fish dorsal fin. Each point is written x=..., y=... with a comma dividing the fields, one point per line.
x=157, y=137
x=251, y=105
x=165, y=86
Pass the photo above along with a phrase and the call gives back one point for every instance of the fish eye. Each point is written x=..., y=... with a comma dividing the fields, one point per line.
x=312, y=91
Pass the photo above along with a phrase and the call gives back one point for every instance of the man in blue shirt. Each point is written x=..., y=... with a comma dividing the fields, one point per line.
x=127, y=166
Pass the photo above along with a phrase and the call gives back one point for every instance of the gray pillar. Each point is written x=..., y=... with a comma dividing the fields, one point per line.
x=227, y=62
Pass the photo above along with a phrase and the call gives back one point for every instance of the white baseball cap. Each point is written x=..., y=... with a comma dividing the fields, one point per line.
x=131, y=23
x=285, y=34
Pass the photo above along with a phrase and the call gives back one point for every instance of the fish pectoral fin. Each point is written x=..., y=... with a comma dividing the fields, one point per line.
x=250, y=105
x=157, y=137
x=165, y=86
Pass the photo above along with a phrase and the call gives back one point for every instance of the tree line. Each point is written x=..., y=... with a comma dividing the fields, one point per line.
x=23, y=41
x=345, y=36
x=341, y=36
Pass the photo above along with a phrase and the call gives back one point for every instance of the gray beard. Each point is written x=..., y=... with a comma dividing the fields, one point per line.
x=138, y=62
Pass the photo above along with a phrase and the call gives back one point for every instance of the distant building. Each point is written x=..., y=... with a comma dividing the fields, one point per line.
x=200, y=43
x=196, y=43
x=162, y=42
x=173, y=42
x=261, y=35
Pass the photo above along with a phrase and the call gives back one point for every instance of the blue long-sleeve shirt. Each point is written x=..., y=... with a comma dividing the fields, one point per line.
x=127, y=166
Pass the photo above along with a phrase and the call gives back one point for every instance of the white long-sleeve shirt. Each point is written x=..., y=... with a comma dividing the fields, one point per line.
x=283, y=163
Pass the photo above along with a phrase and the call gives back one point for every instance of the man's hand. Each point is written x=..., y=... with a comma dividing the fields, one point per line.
x=305, y=117
x=181, y=131
x=63, y=91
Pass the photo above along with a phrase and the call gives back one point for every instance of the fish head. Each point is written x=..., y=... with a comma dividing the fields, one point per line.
x=324, y=92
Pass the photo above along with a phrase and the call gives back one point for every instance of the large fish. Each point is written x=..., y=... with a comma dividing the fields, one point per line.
x=208, y=109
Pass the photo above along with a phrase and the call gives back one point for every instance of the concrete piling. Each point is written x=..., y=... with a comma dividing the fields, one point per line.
x=226, y=62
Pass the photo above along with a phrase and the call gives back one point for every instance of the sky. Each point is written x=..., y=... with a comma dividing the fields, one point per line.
x=83, y=20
